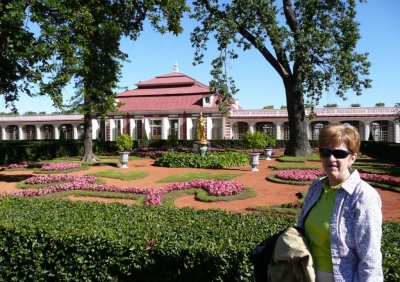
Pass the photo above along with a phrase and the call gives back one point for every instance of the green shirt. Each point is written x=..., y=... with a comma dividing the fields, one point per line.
x=317, y=228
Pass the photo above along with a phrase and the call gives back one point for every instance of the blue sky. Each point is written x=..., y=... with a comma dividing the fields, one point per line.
x=154, y=54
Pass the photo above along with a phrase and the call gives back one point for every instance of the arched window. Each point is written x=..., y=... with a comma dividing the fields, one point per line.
x=47, y=132
x=12, y=132
x=266, y=127
x=354, y=123
x=239, y=129
x=30, y=132
x=66, y=132
x=379, y=131
x=316, y=129
x=286, y=134
x=81, y=131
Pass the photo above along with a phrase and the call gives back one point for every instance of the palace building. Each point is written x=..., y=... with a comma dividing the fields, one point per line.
x=170, y=104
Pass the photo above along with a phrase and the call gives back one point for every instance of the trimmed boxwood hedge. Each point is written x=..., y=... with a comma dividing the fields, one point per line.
x=43, y=239
x=212, y=160
x=59, y=240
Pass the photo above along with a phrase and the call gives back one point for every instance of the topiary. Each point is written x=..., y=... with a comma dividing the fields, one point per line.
x=124, y=142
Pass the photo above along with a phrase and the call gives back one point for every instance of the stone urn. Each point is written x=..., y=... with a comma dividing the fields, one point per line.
x=268, y=154
x=123, y=159
x=254, y=159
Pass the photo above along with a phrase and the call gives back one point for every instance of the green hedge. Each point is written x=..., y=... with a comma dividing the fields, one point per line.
x=212, y=160
x=58, y=240
x=12, y=151
x=382, y=150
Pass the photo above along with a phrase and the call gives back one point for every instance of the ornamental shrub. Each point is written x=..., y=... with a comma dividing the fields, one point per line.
x=124, y=142
x=212, y=160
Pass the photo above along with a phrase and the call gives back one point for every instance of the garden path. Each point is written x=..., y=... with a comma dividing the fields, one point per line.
x=268, y=193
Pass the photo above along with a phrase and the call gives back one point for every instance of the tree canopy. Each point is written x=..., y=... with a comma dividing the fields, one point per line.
x=24, y=55
x=78, y=41
x=310, y=44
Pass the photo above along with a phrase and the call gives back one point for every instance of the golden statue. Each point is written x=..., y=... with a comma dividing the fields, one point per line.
x=201, y=127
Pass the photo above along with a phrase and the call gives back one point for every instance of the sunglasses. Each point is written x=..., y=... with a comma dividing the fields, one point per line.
x=338, y=154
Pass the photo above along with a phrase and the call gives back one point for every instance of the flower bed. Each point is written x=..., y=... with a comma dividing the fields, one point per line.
x=23, y=165
x=312, y=174
x=59, y=166
x=153, y=195
x=300, y=174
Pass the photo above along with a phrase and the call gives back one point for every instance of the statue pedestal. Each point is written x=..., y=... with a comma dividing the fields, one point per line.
x=201, y=146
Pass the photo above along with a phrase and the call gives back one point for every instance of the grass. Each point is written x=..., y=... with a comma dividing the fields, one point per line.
x=199, y=175
x=81, y=168
x=201, y=195
x=138, y=198
x=23, y=185
x=275, y=179
x=276, y=210
x=313, y=158
x=294, y=165
x=117, y=174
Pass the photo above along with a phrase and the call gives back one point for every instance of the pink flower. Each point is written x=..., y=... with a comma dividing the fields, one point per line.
x=300, y=174
x=60, y=166
x=66, y=182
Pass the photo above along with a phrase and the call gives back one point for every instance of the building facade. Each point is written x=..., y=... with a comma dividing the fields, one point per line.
x=170, y=104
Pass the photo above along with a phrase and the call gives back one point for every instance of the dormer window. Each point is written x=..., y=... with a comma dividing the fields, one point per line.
x=207, y=100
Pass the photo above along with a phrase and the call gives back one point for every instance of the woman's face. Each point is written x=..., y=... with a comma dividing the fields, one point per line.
x=336, y=163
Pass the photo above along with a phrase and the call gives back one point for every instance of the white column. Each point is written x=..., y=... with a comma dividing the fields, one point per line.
x=308, y=129
x=366, y=131
x=209, y=123
x=164, y=128
x=56, y=132
x=147, y=128
x=20, y=133
x=95, y=128
x=397, y=132
x=38, y=133
x=3, y=133
x=132, y=122
x=74, y=131
x=112, y=129
x=251, y=126
x=278, y=126
x=189, y=126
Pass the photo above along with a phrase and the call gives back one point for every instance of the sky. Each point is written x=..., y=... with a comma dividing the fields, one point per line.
x=259, y=85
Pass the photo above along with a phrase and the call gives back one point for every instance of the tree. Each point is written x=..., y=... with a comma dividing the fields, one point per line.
x=24, y=55
x=310, y=44
x=86, y=35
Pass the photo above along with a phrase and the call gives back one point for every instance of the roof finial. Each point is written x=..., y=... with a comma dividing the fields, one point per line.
x=176, y=69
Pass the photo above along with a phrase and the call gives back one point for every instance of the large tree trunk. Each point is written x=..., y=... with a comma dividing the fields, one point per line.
x=298, y=144
x=88, y=156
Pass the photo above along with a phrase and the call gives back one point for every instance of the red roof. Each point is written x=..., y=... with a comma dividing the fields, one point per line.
x=173, y=91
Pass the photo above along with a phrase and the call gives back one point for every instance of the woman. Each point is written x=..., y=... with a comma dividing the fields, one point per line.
x=341, y=215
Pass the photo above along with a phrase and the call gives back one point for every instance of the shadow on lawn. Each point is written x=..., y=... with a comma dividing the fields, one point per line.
x=14, y=178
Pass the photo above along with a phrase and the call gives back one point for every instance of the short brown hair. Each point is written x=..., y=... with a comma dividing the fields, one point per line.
x=336, y=134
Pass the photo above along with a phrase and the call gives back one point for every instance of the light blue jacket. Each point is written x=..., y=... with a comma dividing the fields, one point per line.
x=355, y=229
